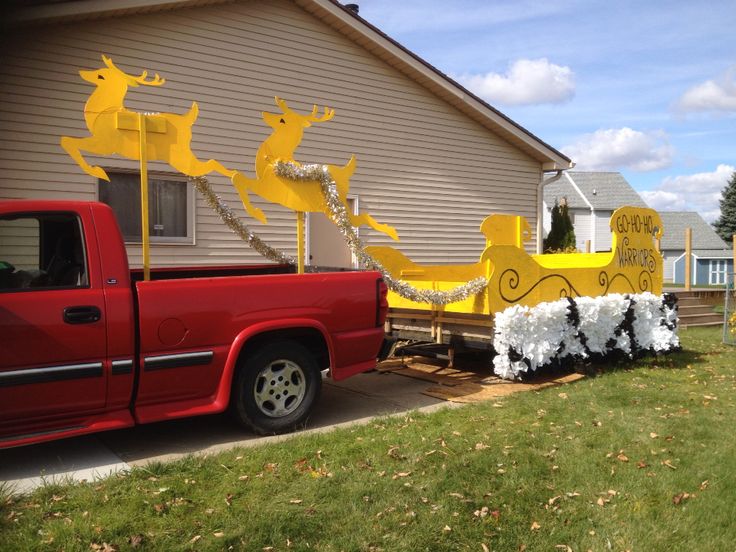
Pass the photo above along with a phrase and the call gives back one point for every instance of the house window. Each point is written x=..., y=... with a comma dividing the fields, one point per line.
x=170, y=207
x=42, y=252
x=717, y=272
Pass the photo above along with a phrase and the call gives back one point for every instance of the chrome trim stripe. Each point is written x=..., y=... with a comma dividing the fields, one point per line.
x=121, y=367
x=181, y=360
x=39, y=433
x=50, y=373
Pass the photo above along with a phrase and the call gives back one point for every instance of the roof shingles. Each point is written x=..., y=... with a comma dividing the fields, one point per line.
x=605, y=191
x=675, y=223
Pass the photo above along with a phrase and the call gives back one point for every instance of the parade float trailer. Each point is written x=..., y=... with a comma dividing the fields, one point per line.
x=514, y=277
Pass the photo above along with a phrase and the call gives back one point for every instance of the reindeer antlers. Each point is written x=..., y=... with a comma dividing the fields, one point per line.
x=156, y=81
x=312, y=117
x=329, y=114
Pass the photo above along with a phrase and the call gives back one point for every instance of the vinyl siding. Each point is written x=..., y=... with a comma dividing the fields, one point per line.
x=669, y=259
x=19, y=241
x=581, y=222
x=423, y=166
x=603, y=236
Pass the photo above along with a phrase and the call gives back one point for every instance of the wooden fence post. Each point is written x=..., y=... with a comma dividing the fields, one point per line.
x=688, y=258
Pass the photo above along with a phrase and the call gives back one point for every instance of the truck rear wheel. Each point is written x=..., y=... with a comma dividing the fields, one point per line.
x=276, y=388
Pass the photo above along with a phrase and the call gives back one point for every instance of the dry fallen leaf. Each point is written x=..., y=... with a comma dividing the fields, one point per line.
x=535, y=526
x=484, y=547
x=641, y=464
x=622, y=457
x=447, y=528
x=669, y=464
x=218, y=534
x=194, y=539
x=653, y=435
x=562, y=395
x=704, y=485
x=679, y=498
x=295, y=501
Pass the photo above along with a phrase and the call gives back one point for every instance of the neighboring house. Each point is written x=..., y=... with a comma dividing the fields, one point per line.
x=712, y=259
x=591, y=197
x=432, y=158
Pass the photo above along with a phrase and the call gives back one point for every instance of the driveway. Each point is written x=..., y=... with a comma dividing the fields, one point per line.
x=353, y=401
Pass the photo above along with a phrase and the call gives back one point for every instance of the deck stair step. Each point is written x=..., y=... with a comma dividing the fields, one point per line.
x=712, y=319
x=695, y=309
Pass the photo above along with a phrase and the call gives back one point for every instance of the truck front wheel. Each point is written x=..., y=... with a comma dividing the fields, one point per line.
x=276, y=387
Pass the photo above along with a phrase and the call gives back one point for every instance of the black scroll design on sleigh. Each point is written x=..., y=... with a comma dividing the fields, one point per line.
x=645, y=281
x=512, y=280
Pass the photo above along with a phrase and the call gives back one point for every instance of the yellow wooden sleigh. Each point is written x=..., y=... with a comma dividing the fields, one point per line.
x=517, y=278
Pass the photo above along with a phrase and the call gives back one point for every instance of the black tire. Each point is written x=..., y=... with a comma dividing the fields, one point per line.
x=276, y=388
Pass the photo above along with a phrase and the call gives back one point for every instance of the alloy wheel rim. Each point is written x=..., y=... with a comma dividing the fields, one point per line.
x=280, y=388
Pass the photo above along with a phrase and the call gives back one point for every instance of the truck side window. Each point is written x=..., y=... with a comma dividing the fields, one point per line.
x=40, y=251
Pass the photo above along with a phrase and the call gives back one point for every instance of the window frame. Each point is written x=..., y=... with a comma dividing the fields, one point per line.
x=718, y=269
x=191, y=209
x=86, y=282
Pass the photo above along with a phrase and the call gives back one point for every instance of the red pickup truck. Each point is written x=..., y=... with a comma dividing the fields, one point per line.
x=86, y=345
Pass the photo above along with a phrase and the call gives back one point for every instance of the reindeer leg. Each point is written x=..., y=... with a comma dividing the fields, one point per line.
x=192, y=166
x=75, y=146
x=341, y=176
x=359, y=220
x=242, y=183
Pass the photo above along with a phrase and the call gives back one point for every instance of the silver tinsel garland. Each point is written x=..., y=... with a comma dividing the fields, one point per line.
x=339, y=215
x=232, y=221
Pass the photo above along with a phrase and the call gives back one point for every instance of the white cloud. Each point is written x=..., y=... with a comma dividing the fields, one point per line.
x=699, y=192
x=621, y=148
x=717, y=95
x=527, y=82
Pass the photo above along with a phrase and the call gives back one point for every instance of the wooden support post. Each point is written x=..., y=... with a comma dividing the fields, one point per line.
x=300, y=219
x=587, y=246
x=688, y=258
x=144, y=197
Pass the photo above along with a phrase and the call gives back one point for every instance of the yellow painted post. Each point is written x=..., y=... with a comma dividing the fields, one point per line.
x=300, y=241
x=587, y=246
x=688, y=258
x=144, y=197
x=658, y=245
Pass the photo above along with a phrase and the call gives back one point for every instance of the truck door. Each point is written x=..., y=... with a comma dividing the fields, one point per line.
x=52, y=328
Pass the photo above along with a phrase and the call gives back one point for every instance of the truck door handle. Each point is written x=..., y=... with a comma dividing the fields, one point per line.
x=82, y=315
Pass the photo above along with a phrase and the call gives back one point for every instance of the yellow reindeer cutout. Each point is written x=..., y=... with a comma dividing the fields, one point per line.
x=115, y=129
x=302, y=197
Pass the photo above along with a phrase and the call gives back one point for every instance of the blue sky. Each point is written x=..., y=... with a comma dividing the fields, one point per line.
x=644, y=88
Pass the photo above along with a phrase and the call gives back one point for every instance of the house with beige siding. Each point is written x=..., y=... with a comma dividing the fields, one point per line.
x=432, y=158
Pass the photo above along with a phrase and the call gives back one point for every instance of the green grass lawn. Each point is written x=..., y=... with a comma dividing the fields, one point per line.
x=633, y=459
